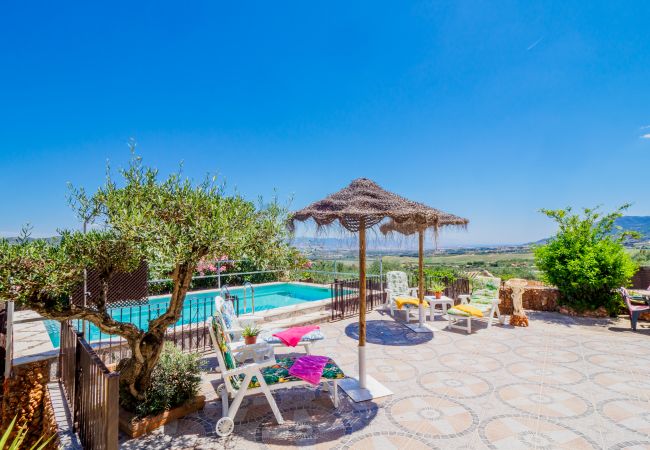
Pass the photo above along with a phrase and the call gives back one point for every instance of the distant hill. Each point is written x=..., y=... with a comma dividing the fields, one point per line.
x=640, y=224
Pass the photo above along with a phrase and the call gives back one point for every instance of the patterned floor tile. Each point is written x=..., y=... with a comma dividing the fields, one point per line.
x=513, y=432
x=505, y=387
x=432, y=416
x=545, y=401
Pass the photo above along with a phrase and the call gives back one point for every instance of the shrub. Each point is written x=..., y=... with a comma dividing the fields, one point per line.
x=586, y=260
x=175, y=380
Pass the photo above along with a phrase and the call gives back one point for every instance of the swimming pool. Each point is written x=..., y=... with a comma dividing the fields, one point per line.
x=198, y=306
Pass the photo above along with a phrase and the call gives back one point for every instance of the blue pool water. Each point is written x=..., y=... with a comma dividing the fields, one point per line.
x=198, y=306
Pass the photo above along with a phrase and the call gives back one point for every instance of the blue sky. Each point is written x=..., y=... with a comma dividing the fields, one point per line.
x=489, y=110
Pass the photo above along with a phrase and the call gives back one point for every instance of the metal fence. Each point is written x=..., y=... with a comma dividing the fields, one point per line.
x=190, y=333
x=91, y=389
x=3, y=339
x=345, y=296
x=454, y=286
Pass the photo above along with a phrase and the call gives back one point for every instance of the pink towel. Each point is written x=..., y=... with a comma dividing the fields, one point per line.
x=292, y=336
x=309, y=368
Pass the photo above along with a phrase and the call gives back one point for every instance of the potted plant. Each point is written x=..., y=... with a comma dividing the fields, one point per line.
x=438, y=287
x=250, y=334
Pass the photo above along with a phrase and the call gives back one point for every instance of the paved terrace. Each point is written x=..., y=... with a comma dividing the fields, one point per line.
x=562, y=383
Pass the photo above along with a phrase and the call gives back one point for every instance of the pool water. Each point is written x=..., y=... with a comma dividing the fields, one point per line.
x=198, y=306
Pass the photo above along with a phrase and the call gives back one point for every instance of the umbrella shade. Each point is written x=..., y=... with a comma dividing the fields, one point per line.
x=357, y=207
x=365, y=200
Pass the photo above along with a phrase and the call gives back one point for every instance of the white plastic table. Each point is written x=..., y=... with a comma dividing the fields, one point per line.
x=444, y=302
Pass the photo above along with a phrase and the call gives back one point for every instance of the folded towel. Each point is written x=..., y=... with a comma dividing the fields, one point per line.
x=309, y=368
x=292, y=336
x=470, y=310
x=312, y=336
x=401, y=301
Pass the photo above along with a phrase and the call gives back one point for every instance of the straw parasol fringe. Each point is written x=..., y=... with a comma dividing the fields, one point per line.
x=365, y=199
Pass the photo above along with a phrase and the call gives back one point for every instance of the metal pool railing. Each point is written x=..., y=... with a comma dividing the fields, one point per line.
x=345, y=296
x=190, y=333
x=91, y=389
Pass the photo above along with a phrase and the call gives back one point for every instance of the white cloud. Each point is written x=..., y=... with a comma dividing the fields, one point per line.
x=645, y=127
x=646, y=136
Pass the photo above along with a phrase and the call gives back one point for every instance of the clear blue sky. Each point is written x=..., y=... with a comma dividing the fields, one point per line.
x=490, y=110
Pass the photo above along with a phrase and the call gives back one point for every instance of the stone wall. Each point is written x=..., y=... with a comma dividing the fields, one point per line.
x=25, y=396
x=536, y=297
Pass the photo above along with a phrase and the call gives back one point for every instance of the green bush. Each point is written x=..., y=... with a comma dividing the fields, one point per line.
x=175, y=380
x=586, y=260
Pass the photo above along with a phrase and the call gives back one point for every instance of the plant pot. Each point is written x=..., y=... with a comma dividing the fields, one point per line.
x=438, y=294
x=135, y=427
x=250, y=340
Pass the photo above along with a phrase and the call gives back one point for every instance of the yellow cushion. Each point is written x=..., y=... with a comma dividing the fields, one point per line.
x=469, y=309
x=401, y=301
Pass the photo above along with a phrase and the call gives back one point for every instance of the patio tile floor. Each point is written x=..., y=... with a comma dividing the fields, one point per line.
x=561, y=383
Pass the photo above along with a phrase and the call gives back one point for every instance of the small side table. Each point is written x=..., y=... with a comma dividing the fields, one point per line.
x=444, y=302
x=260, y=351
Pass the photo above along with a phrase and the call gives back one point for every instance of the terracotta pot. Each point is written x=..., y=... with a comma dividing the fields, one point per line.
x=250, y=340
x=438, y=294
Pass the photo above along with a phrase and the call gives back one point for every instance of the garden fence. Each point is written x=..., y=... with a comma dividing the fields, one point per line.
x=91, y=389
x=345, y=296
x=454, y=286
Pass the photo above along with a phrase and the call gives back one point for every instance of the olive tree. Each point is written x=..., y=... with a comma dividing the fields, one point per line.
x=172, y=223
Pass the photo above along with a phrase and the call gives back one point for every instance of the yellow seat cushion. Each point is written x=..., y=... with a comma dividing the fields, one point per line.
x=469, y=309
x=401, y=301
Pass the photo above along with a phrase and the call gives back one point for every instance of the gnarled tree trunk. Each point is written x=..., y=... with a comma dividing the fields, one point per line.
x=146, y=346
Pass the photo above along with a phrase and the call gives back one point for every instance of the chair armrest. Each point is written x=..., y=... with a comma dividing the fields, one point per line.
x=414, y=291
x=464, y=298
x=243, y=368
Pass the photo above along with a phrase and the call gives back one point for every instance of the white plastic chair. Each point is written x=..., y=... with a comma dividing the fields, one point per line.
x=241, y=380
x=397, y=286
x=484, y=297
x=235, y=326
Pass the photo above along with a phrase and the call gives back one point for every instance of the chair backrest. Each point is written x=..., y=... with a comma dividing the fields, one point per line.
x=626, y=297
x=486, y=286
x=397, y=282
x=221, y=344
x=227, y=312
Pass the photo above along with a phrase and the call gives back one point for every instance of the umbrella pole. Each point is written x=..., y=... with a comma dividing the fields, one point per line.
x=362, y=304
x=364, y=388
x=421, y=275
x=420, y=327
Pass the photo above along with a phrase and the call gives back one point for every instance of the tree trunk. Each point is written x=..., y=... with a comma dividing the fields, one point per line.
x=136, y=371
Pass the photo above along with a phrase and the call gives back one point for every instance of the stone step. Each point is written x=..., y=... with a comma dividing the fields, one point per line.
x=301, y=320
x=293, y=311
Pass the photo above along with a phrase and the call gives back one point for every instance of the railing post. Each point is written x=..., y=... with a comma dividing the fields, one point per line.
x=76, y=399
x=112, y=410
x=9, y=338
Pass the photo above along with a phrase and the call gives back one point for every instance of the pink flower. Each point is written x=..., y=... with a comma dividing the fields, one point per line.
x=308, y=265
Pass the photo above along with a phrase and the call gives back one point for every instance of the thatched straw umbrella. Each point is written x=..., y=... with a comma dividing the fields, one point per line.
x=409, y=228
x=358, y=207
